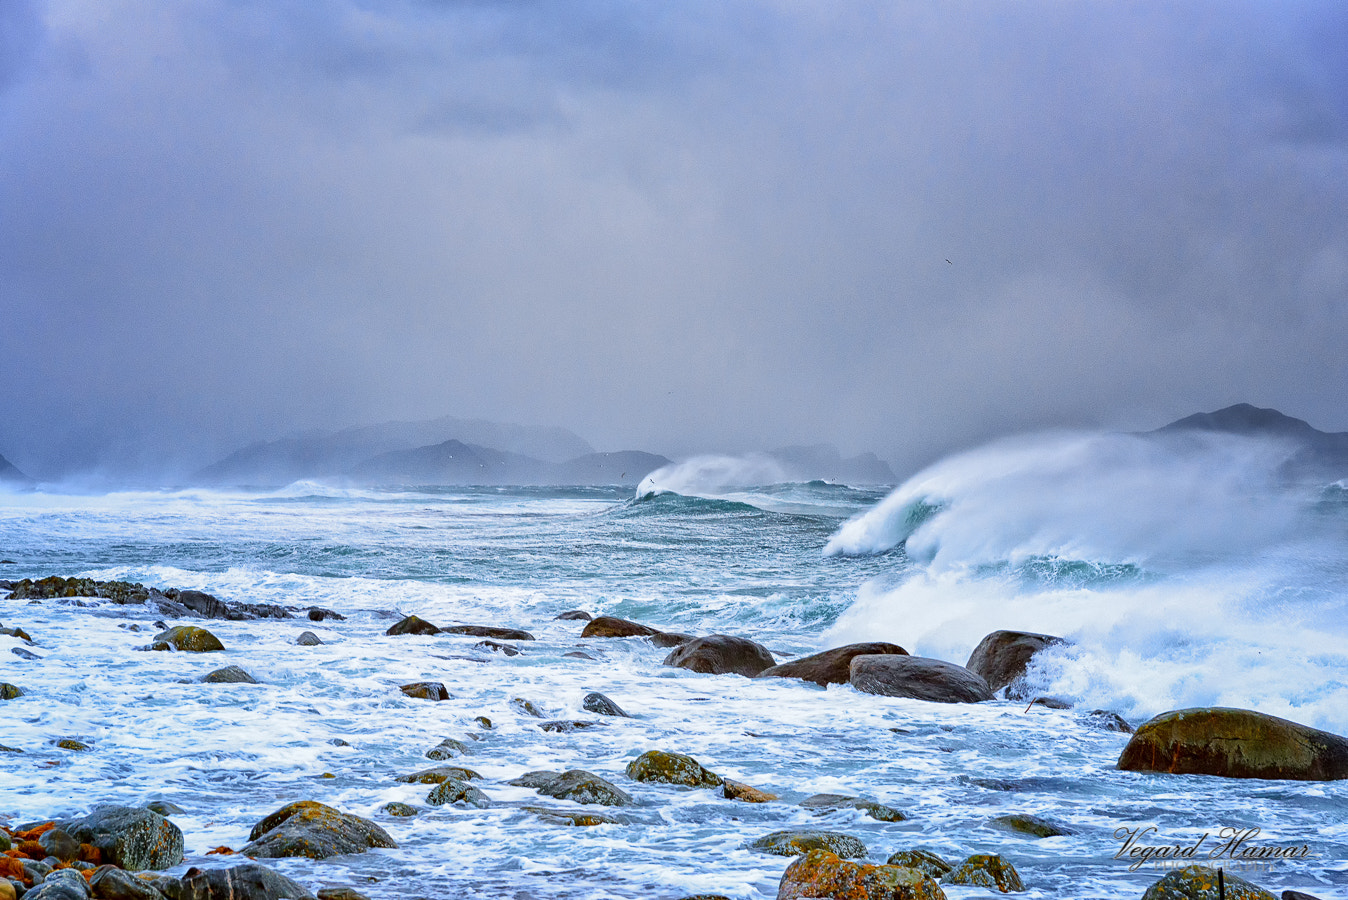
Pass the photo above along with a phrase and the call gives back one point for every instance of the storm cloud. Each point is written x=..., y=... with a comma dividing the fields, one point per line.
x=677, y=227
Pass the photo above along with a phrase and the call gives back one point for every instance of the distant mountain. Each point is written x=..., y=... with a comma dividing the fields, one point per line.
x=454, y=462
x=825, y=463
x=1320, y=454
x=9, y=473
x=334, y=454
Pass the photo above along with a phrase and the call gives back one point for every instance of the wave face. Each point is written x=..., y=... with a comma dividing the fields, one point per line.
x=1186, y=569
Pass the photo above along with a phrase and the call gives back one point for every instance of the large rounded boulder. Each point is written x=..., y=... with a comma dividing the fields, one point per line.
x=721, y=654
x=831, y=666
x=612, y=626
x=1235, y=743
x=1002, y=658
x=661, y=767
x=188, y=639
x=821, y=874
x=1200, y=883
x=128, y=836
x=919, y=678
x=307, y=828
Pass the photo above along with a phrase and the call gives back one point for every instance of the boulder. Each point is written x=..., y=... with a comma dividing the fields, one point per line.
x=319, y=614
x=112, y=883
x=566, y=726
x=831, y=666
x=574, y=615
x=820, y=873
x=60, y=845
x=666, y=639
x=249, y=881
x=721, y=654
x=572, y=817
x=1200, y=883
x=608, y=626
x=63, y=884
x=439, y=774
x=229, y=675
x=1235, y=743
x=596, y=702
x=487, y=631
x=1002, y=657
x=310, y=829
x=412, y=625
x=1034, y=826
x=988, y=871
x=203, y=604
x=496, y=647
x=451, y=790
x=744, y=793
x=425, y=690
x=308, y=639
x=580, y=786
x=918, y=677
x=877, y=811
x=130, y=837
x=659, y=767
x=1105, y=720
x=794, y=843
x=447, y=749
x=9, y=691
x=188, y=639
x=165, y=808
x=401, y=810
x=923, y=860
x=526, y=707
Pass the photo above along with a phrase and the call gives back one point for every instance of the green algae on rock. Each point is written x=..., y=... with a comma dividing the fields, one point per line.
x=661, y=767
x=821, y=874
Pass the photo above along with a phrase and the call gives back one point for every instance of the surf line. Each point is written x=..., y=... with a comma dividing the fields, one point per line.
x=1235, y=844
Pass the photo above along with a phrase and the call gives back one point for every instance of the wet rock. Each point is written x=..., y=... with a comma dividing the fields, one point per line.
x=609, y=626
x=526, y=707
x=667, y=639
x=63, y=884
x=831, y=666
x=308, y=639
x=412, y=625
x=72, y=744
x=425, y=690
x=447, y=749
x=1051, y=702
x=488, y=631
x=451, y=790
x=794, y=843
x=1200, y=883
x=660, y=767
x=248, y=881
x=580, y=786
x=483, y=722
x=165, y=808
x=5, y=749
x=187, y=639
x=319, y=614
x=737, y=790
x=596, y=702
x=1297, y=895
x=494, y=647
x=203, y=604
x=130, y=837
x=10, y=691
x=1031, y=825
x=24, y=654
x=313, y=830
x=577, y=654
x=924, y=861
x=877, y=811
x=721, y=654
x=340, y=893
x=439, y=774
x=986, y=870
x=1235, y=743
x=919, y=678
x=535, y=779
x=1002, y=658
x=112, y=883
x=60, y=845
x=572, y=817
x=574, y=615
x=705, y=897
x=18, y=633
x=566, y=726
x=402, y=810
x=820, y=873
x=1104, y=720
x=229, y=675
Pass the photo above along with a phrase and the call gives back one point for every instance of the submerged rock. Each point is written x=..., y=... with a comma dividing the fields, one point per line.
x=721, y=654
x=308, y=639
x=401, y=810
x=919, y=678
x=439, y=774
x=425, y=690
x=1105, y=720
x=1235, y=743
x=188, y=639
x=831, y=666
x=412, y=625
x=584, y=787
x=574, y=615
x=566, y=726
x=488, y=631
x=572, y=817
x=1002, y=658
x=609, y=626
x=596, y=702
x=1200, y=883
x=313, y=830
x=821, y=874
x=986, y=870
x=1031, y=825
x=10, y=691
x=451, y=790
x=495, y=647
x=923, y=860
x=667, y=639
x=127, y=836
x=229, y=675
x=447, y=749
x=877, y=811
x=526, y=707
x=660, y=767
x=248, y=881
x=794, y=843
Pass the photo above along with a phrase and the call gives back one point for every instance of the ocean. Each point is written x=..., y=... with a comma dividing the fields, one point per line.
x=1185, y=572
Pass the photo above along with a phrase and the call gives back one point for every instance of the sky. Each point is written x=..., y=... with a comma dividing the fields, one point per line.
x=680, y=227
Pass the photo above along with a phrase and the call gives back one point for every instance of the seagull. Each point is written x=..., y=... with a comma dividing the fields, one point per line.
x=949, y=262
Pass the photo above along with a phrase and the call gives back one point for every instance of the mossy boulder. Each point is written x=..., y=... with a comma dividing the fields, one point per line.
x=10, y=691
x=1200, y=883
x=829, y=802
x=229, y=675
x=1003, y=657
x=425, y=690
x=923, y=860
x=831, y=666
x=917, y=677
x=1035, y=826
x=661, y=767
x=610, y=626
x=744, y=793
x=580, y=786
x=313, y=830
x=401, y=810
x=986, y=870
x=439, y=774
x=187, y=639
x=822, y=874
x=796, y=842
x=451, y=790
x=130, y=837
x=1235, y=743
x=721, y=654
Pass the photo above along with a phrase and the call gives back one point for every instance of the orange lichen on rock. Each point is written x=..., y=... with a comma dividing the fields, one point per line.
x=221, y=851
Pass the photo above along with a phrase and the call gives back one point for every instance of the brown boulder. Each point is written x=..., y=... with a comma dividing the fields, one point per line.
x=831, y=666
x=1235, y=743
x=307, y=828
x=1002, y=657
x=660, y=767
x=1200, y=883
x=412, y=625
x=488, y=631
x=721, y=654
x=917, y=677
x=823, y=874
x=609, y=626
x=188, y=639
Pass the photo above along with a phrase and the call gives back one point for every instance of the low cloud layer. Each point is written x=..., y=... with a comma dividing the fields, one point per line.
x=702, y=226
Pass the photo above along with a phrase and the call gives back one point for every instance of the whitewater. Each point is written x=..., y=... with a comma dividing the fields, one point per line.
x=1184, y=573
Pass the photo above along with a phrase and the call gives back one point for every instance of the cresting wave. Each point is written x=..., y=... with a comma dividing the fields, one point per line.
x=1187, y=570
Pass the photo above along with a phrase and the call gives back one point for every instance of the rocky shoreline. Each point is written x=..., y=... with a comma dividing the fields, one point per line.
x=118, y=852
